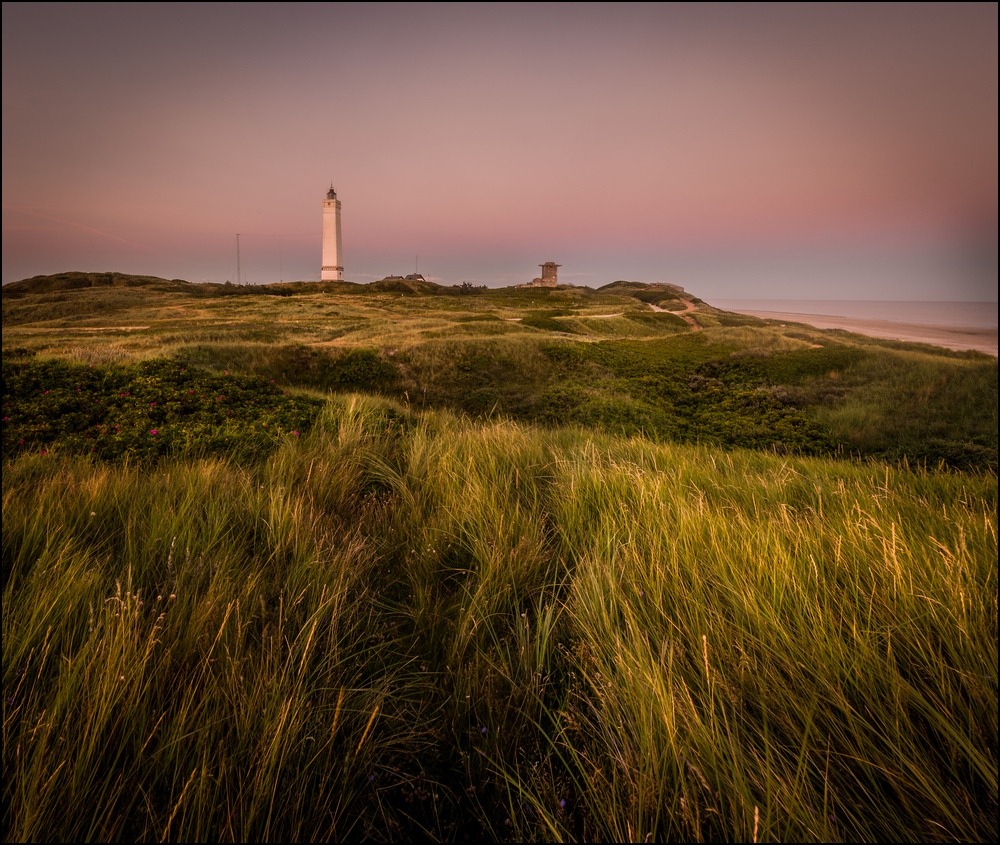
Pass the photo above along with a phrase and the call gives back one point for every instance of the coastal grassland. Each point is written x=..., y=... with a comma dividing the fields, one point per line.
x=567, y=356
x=407, y=624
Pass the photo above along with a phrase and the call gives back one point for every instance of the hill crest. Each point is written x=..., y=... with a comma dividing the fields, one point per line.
x=650, y=293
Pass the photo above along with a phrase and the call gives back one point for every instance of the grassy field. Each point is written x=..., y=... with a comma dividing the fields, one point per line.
x=568, y=356
x=449, y=564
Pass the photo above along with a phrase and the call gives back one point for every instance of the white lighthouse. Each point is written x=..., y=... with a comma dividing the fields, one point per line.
x=333, y=255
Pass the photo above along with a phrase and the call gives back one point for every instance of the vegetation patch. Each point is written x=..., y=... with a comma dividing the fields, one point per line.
x=659, y=389
x=478, y=318
x=144, y=411
x=657, y=319
x=301, y=366
x=545, y=320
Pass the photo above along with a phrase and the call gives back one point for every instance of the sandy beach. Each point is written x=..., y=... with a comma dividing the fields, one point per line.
x=950, y=337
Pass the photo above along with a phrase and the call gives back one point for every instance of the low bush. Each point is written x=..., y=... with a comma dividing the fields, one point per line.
x=144, y=411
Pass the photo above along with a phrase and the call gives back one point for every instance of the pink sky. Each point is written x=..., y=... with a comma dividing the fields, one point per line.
x=744, y=150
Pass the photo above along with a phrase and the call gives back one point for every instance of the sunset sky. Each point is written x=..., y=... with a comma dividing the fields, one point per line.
x=755, y=150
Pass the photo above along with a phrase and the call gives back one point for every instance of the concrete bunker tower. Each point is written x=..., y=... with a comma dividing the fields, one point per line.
x=549, y=273
x=549, y=269
x=549, y=277
x=333, y=251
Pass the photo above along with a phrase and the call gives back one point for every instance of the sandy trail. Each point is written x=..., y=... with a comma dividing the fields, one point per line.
x=87, y=328
x=685, y=315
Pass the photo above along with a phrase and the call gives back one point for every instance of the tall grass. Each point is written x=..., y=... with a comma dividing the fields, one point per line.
x=178, y=649
x=403, y=626
x=919, y=405
x=752, y=638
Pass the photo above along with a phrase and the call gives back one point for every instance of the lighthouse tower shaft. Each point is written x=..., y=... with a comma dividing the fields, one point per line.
x=333, y=254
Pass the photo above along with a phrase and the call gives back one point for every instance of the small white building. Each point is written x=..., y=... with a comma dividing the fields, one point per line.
x=333, y=254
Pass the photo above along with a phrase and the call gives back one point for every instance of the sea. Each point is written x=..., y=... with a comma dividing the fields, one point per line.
x=977, y=315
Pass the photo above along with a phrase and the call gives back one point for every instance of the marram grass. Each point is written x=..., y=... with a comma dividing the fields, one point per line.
x=400, y=627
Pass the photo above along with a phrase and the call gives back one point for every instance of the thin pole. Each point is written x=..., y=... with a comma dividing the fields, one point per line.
x=237, y=258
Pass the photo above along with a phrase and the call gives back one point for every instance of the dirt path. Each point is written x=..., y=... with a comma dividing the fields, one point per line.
x=93, y=328
x=684, y=315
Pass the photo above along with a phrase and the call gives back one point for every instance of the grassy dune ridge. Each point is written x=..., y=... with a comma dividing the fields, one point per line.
x=476, y=578
x=562, y=356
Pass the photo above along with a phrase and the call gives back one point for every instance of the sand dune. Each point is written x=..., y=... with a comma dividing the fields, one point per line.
x=950, y=337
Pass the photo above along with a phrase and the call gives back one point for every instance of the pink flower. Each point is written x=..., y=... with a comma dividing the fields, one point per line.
x=153, y=431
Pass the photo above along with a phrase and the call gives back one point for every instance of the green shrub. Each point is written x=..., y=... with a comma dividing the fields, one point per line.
x=144, y=411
